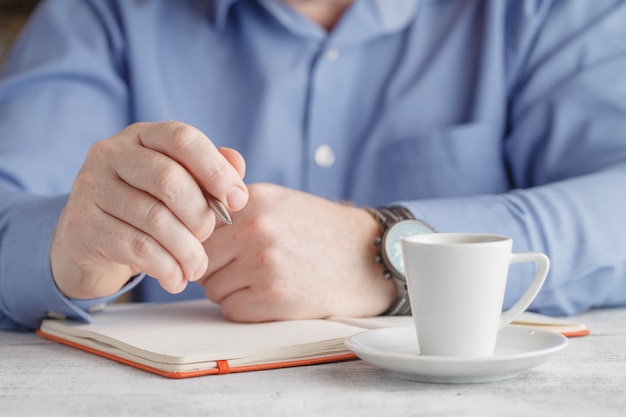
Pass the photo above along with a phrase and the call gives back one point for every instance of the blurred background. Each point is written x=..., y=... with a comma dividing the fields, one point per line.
x=13, y=15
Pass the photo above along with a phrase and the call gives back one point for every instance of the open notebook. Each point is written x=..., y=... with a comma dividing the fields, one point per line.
x=191, y=338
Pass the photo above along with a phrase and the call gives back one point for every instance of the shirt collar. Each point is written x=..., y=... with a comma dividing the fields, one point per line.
x=391, y=14
x=394, y=15
x=220, y=12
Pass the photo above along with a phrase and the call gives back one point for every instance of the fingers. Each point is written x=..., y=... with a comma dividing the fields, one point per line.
x=247, y=307
x=157, y=175
x=153, y=238
x=197, y=154
x=138, y=204
x=169, y=161
x=248, y=301
x=220, y=286
x=130, y=246
x=235, y=159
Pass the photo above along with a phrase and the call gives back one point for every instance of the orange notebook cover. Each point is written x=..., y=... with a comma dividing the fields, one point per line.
x=192, y=338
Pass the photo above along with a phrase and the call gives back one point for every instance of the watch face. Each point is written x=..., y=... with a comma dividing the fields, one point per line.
x=392, y=249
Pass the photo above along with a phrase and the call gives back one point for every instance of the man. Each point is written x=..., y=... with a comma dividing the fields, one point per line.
x=489, y=116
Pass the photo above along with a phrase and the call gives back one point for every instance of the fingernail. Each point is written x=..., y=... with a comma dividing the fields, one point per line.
x=237, y=198
x=201, y=270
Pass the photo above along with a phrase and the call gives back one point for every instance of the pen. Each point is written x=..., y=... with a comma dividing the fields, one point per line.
x=219, y=209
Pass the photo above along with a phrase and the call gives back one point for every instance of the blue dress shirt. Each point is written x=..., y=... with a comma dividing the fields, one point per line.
x=494, y=116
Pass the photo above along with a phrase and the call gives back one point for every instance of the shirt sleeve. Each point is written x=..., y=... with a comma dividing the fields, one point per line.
x=70, y=48
x=566, y=154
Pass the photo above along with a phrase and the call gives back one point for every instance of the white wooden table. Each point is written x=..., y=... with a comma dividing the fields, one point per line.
x=41, y=378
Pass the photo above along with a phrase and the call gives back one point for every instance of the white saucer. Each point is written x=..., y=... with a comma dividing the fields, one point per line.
x=395, y=349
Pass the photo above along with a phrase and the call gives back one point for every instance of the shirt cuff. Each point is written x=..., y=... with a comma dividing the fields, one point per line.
x=28, y=293
x=482, y=214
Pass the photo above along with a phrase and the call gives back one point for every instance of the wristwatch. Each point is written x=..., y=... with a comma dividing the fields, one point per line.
x=397, y=223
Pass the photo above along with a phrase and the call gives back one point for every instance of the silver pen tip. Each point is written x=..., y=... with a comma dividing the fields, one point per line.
x=219, y=210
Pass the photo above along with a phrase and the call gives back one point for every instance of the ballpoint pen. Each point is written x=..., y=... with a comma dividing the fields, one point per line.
x=219, y=209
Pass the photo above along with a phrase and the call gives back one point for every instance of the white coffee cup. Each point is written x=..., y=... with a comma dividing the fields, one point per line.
x=456, y=284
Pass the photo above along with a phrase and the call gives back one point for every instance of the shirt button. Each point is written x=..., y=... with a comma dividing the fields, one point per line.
x=97, y=307
x=331, y=55
x=55, y=315
x=324, y=156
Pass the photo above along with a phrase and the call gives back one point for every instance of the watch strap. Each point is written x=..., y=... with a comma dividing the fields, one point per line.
x=387, y=217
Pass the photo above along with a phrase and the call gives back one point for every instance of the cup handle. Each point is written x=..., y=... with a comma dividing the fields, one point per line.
x=543, y=265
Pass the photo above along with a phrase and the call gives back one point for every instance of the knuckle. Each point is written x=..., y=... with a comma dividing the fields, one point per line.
x=168, y=182
x=264, y=228
x=181, y=136
x=142, y=246
x=103, y=150
x=137, y=127
x=269, y=259
x=85, y=181
x=158, y=217
x=204, y=229
x=98, y=149
x=216, y=169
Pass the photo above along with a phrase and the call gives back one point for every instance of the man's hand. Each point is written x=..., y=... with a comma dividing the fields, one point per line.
x=138, y=205
x=291, y=255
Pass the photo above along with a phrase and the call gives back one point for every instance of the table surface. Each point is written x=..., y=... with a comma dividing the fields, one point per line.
x=42, y=378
